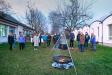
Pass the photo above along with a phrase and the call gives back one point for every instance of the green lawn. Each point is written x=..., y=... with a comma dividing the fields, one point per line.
x=30, y=62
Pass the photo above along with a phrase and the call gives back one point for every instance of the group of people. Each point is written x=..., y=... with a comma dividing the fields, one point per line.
x=12, y=40
x=83, y=41
x=38, y=39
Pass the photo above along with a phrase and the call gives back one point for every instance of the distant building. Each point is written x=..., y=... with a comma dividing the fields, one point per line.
x=10, y=24
x=102, y=30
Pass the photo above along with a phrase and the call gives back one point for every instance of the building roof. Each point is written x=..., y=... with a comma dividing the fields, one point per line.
x=9, y=18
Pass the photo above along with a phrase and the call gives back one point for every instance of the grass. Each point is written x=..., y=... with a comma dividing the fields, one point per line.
x=30, y=62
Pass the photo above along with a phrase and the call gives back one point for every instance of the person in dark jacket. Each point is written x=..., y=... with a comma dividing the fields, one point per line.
x=78, y=39
x=71, y=37
x=49, y=40
x=10, y=40
x=87, y=38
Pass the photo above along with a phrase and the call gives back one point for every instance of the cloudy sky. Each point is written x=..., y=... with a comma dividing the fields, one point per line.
x=99, y=9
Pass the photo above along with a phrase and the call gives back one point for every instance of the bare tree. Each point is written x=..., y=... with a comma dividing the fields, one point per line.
x=35, y=18
x=4, y=6
x=55, y=20
x=74, y=14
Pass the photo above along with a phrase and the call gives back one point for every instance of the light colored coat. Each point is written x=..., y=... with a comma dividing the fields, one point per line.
x=36, y=40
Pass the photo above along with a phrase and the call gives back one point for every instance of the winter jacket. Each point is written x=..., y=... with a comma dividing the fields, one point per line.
x=72, y=36
x=21, y=39
x=87, y=38
x=10, y=39
x=82, y=39
x=93, y=40
x=78, y=37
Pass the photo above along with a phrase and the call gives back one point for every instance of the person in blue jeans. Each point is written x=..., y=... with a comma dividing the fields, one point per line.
x=93, y=42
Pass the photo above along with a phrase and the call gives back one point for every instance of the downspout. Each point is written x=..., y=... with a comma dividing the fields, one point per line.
x=102, y=33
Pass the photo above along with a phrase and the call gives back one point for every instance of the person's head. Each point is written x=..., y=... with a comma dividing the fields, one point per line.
x=20, y=33
x=86, y=33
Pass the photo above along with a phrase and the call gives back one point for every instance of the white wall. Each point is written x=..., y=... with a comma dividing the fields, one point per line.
x=96, y=28
x=106, y=29
x=19, y=29
x=86, y=29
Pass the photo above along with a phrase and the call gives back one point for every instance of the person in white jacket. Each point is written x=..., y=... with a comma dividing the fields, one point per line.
x=36, y=41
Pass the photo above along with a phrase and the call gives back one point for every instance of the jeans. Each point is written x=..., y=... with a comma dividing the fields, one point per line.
x=86, y=44
x=81, y=48
x=14, y=44
x=93, y=46
x=78, y=44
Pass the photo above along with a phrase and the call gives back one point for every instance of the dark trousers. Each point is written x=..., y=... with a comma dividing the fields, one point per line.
x=40, y=42
x=48, y=42
x=21, y=46
x=81, y=48
x=10, y=44
x=71, y=43
x=86, y=44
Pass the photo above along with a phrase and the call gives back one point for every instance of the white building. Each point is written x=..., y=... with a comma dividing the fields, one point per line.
x=96, y=28
x=102, y=30
x=85, y=29
x=107, y=29
x=10, y=24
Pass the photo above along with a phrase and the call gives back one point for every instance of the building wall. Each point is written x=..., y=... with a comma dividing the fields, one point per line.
x=86, y=29
x=100, y=29
x=19, y=29
x=96, y=28
x=106, y=24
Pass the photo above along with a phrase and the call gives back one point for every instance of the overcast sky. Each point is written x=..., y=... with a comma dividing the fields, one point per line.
x=99, y=9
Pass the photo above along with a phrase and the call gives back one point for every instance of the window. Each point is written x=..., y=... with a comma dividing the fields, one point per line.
x=3, y=30
x=110, y=32
x=12, y=30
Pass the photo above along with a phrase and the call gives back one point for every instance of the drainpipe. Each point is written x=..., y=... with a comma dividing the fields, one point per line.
x=102, y=33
